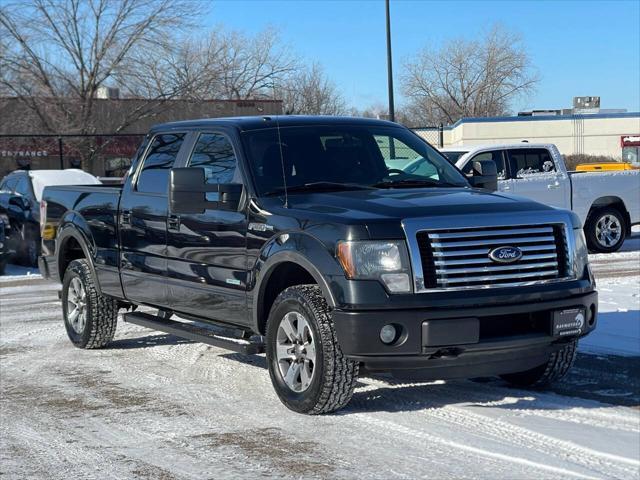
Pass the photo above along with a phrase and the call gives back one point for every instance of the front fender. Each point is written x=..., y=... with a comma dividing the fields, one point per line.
x=303, y=250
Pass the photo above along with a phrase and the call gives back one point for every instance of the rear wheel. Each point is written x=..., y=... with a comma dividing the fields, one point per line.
x=89, y=318
x=559, y=363
x=605, y=230
x=307, y=367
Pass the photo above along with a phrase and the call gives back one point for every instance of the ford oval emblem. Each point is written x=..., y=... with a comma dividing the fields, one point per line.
x=505, y=254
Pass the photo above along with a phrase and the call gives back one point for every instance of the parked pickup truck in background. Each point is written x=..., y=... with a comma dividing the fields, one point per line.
x=607, y=203
x=293, y=235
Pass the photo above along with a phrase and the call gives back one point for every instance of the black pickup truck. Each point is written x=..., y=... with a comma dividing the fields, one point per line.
x=303, y=237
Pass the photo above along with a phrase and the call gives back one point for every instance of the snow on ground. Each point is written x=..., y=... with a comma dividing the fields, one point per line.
x=155, y=406
x=618, y=283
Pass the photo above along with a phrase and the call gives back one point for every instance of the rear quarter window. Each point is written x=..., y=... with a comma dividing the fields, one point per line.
x=531, y=161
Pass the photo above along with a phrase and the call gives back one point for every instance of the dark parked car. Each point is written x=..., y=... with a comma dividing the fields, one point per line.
x=20, y=195
x=294, y=235
x=6, y=252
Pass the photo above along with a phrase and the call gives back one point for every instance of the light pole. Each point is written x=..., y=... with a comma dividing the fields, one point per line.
x=392, y=115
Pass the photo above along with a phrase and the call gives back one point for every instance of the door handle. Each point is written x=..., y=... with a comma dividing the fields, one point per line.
x=173, y=222
x=553, y=186
x=506, y=188
x=125, y=217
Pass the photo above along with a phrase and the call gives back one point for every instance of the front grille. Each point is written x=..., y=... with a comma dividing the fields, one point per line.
x=459, y=258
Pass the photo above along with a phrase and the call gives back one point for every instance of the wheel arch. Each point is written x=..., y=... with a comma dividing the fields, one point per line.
x=614, y=202
x=286, y=266
x=73, y=242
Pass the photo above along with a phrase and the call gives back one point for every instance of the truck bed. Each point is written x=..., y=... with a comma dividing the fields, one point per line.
x=92, y=209
x=588, y=187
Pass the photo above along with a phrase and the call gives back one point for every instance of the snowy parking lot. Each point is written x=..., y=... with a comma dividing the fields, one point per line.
x=153, y=406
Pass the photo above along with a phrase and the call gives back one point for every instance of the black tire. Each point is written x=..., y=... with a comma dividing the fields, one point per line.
x=101, y=312
x=3, y=265
x=559, y=363
x=591, y=227
x=334, y=376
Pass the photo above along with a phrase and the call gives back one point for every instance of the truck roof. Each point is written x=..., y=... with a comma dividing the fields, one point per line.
x=488, y=146
x=270, y=121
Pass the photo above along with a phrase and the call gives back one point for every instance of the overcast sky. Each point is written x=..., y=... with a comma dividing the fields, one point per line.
x=578, y=47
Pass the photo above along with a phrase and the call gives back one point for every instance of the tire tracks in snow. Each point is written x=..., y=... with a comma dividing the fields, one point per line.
x=510, y=434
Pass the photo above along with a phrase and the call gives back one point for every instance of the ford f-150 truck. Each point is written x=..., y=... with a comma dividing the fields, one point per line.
x=607, y=203
x=292, y=235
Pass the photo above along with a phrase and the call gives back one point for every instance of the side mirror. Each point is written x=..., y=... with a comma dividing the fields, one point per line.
x=485, y=175
x=188, y=188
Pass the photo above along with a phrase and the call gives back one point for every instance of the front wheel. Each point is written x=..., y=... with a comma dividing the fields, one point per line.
x=89, y=318
x=605, y=230
x=308, y=370
x=559, y=363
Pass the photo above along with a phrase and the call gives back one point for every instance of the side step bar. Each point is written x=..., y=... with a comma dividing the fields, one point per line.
x=195, y=332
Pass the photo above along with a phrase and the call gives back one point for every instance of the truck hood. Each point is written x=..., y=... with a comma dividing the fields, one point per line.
x=383, y=205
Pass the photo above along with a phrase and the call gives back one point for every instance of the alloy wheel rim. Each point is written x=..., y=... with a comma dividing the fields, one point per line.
x=608, y=230
x=296, y=351
x=77, y=305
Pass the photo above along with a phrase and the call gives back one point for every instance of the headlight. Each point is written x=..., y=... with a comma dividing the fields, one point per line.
x=581, y=256
x=387, y=262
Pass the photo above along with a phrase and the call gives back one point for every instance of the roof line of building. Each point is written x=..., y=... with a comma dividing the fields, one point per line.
x=538, y=118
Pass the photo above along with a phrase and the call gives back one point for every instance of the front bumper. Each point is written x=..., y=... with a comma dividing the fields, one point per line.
x=462, y=342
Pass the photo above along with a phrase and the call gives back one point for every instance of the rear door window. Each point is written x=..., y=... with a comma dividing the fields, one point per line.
x=154, y=176
x=530, y=161
x=495, y=156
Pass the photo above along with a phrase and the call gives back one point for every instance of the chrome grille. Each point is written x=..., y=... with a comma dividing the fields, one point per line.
x=459, y=258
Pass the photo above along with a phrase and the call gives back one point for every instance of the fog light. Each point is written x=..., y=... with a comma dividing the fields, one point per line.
x=388, y=334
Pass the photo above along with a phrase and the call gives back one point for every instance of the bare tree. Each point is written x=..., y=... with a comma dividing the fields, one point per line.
x=468, y=78
x=56, y=54
x=310, y=92
x=225, y=65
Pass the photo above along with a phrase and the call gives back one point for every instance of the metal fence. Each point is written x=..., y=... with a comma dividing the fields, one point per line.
x=432, y=134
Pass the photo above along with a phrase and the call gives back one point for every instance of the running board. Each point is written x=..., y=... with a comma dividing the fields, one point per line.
x=194, y=332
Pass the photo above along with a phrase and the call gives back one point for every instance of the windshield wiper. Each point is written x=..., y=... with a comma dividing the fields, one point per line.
x=414, y=182
x=320, y=187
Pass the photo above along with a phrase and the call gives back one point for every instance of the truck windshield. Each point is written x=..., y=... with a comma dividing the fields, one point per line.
x=345, y=157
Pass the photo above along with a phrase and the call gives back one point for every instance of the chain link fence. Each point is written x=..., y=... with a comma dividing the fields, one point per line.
x=432, y=134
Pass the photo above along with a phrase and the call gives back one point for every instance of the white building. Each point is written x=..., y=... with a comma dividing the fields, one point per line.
x=591, y=134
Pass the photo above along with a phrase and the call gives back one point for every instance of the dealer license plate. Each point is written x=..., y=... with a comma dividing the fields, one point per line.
x=568, y=322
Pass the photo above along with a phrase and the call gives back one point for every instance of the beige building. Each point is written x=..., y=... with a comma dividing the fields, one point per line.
x=599, y=134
